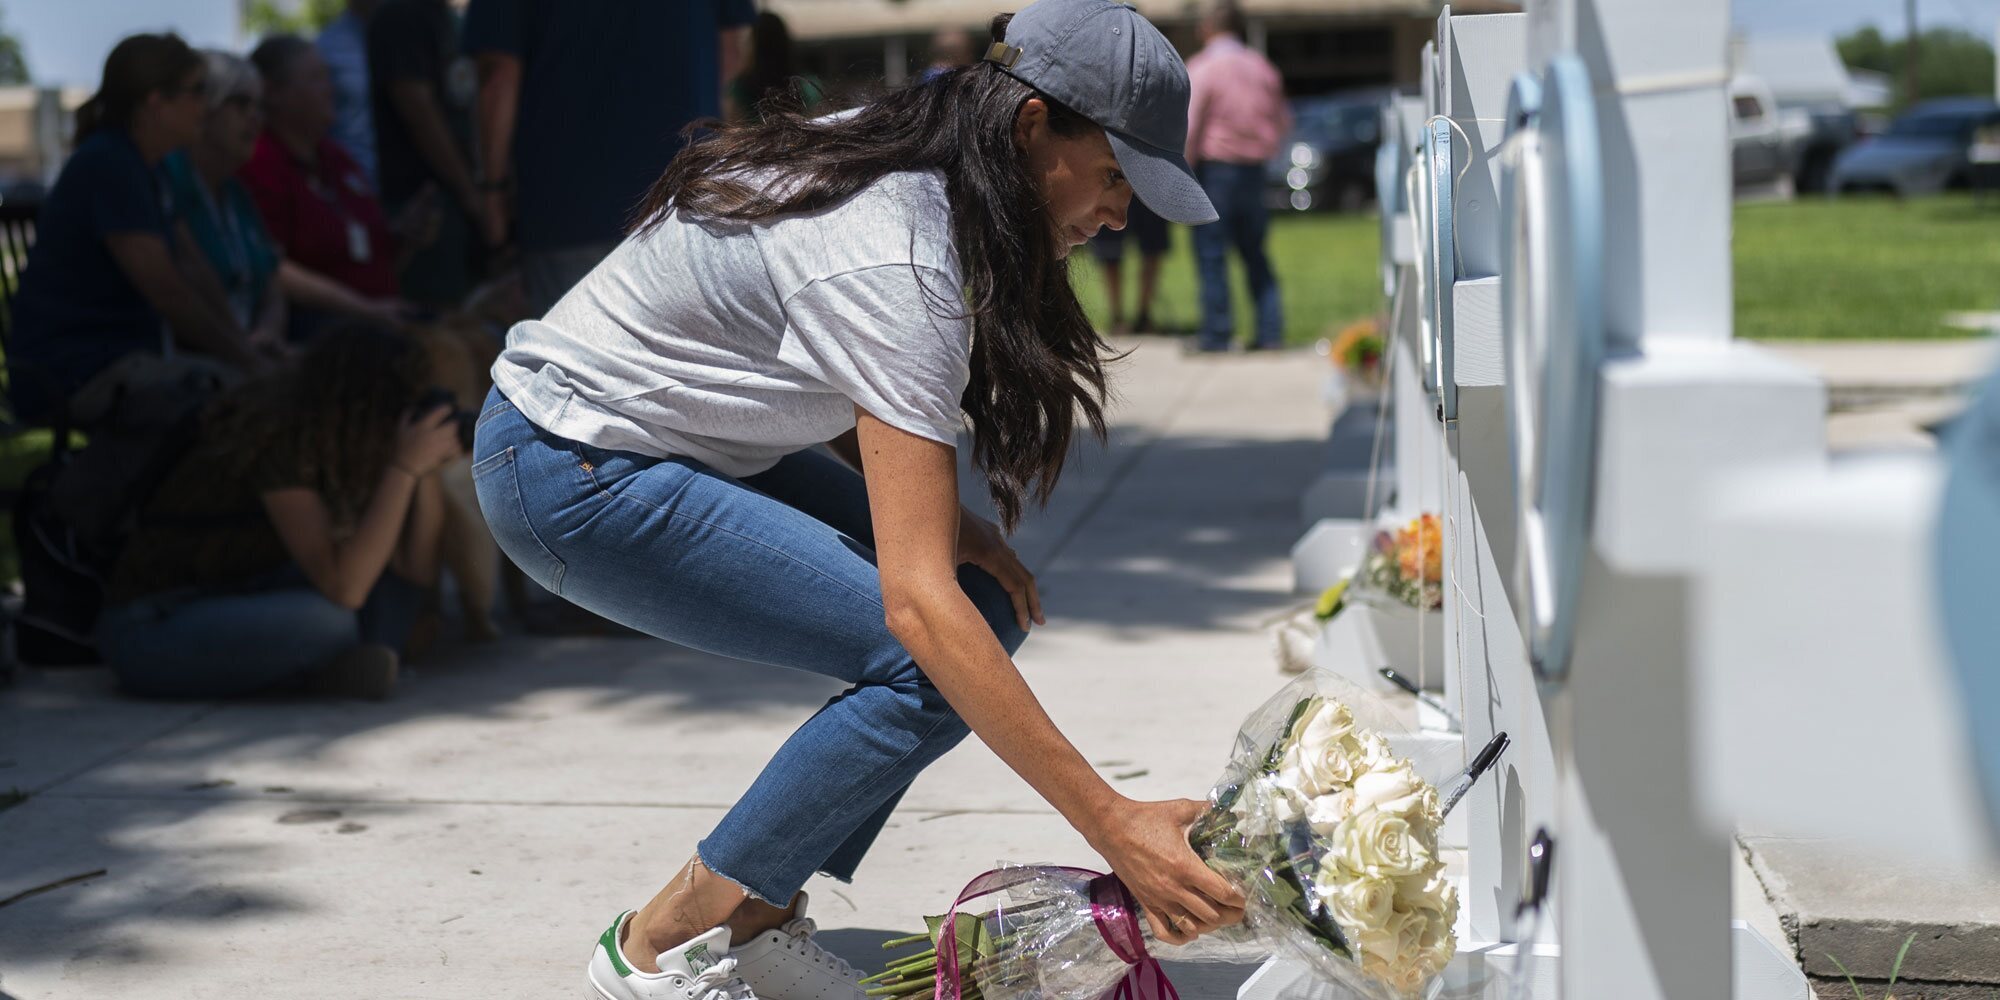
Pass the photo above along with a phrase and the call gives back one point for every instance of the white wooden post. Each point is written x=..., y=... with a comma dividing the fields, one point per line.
x=1642, y=883
x=1488, y=672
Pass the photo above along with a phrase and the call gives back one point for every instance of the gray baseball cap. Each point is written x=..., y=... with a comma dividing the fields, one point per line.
x=1109, y=64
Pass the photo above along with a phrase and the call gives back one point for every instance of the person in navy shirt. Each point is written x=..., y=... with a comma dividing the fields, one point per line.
x=581, y=107
x=101, y=281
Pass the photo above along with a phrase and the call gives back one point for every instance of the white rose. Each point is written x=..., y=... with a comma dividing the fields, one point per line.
x=1314, y=768
x=1402, y=980
x=1375, y=751
x=1379, y=845
x=1435, y=941
x=1328, y=721
x=1286, y=807
x=1392, y=788
x=1328, y=811
x=1358, y=904
x=1395, y=955
x=1387, y=940
x=1408, y=978
x=1429, y=890
x=1265, y=807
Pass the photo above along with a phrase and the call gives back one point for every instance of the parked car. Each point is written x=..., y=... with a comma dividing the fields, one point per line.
x=1924, y=151
x=1834, y=128
x=1765, y=141
x=1329, y=160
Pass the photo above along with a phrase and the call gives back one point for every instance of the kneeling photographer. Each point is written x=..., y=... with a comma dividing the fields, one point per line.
x=292, y=544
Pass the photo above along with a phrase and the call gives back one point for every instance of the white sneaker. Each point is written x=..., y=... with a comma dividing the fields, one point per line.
x=787, y=964
x=701, y=969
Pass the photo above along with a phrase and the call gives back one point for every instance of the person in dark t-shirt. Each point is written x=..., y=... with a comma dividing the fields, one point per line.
x=422, y=94
x=581, y=105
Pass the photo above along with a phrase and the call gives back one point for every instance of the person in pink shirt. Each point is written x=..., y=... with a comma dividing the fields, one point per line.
x=1237, y=116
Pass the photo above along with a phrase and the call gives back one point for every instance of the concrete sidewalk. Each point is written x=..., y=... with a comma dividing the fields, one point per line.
x=1885, y=395
x=471, y=838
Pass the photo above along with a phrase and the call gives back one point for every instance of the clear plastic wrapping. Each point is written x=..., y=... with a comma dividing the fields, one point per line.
x=1327, y=818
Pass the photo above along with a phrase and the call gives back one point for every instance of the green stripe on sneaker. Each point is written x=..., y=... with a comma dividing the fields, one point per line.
x=610, y=944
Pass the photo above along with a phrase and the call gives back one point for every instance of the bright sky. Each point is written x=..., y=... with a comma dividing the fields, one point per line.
x=66, y=40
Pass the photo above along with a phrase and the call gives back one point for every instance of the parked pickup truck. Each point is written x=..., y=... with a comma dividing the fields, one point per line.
x=1767, y=142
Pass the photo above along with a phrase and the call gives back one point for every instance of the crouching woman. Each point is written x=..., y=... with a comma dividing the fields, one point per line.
x=291, y=545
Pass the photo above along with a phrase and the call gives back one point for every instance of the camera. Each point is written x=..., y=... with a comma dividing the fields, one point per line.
x=437, y=396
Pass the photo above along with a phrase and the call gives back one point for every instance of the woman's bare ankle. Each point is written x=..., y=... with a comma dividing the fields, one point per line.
x=640, y=956
x=754, y=917
x=694, y=903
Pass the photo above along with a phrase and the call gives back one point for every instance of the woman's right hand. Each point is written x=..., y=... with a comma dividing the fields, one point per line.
x=427, y=440
x=1146, y=844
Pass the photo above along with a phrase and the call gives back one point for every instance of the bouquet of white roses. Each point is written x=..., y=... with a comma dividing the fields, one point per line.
x=1332, y=836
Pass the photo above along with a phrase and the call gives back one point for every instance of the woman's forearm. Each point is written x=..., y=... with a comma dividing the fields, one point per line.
x=359, y=561
x=960, y=655
x=417, y=555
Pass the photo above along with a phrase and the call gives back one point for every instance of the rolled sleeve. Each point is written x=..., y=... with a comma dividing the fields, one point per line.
x=874, y=334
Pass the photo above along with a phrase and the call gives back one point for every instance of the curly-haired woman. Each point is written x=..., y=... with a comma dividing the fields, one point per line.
x=868, y=282
x=291, y=544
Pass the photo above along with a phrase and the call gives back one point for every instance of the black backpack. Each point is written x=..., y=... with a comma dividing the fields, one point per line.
x=75, y=513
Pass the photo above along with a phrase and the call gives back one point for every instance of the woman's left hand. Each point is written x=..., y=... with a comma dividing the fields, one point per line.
x=981, y=544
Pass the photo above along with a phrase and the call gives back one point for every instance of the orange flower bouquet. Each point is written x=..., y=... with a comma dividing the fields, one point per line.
x=1408, y=563
x=1357, y=350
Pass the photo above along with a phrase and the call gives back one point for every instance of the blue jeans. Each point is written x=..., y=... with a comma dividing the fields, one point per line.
x=267, y=634
x=777, y=568
x=1237, y=191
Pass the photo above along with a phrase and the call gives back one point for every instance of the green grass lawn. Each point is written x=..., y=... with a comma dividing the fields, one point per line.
x=1871, y=268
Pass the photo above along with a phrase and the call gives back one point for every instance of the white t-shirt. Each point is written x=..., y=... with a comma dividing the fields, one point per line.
x=737, y=344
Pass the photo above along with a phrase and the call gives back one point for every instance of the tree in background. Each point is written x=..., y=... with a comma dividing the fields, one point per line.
x=299, y=17
x=1951, y=62
x=13, y=65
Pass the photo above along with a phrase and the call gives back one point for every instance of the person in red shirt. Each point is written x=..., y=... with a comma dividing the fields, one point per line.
x=340, y=252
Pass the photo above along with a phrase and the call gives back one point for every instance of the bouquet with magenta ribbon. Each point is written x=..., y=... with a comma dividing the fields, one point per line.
x=1330, y=833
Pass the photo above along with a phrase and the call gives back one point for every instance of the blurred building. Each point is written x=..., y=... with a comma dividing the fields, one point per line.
x=1319, y=45
x=34, y=124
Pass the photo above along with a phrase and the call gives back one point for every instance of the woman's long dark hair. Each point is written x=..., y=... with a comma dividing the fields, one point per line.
x=136, y=67
x=1037, y=363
